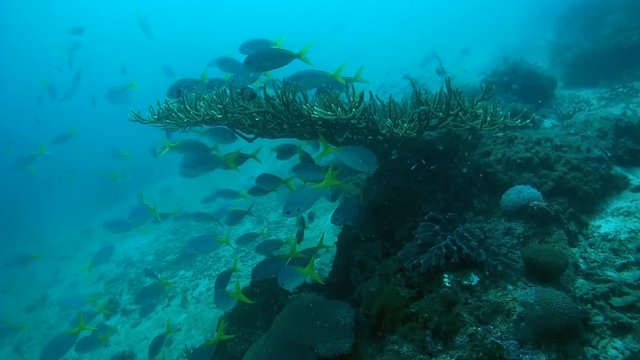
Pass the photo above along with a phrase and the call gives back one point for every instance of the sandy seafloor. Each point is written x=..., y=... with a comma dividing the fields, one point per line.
x=63, y=274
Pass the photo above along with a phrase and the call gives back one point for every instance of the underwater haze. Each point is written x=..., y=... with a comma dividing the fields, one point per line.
x=319, y=179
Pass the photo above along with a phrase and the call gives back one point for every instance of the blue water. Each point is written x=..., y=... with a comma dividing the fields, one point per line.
x=54, y=209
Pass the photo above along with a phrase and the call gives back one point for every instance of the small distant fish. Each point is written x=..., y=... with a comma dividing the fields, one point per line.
x=248, y=238
x=25, y=162
x=272, y=182
x=198, y=164
x=227, y=64
x=120, y=94
x=346, y=212
x=267, y=268
x=358, y=158
x=254, y=45
x=233, y=160
x=76, y=30
x=229, y=194
x=269, y=247
x=298, y=202
x=306, y=80
x=221, y=135
x=309, y=172
x=285, y=151
x=73, y=88
x=103, y=255
x=168, y=71
x=19, y=260
x=143, y=24
x=235, y=216
x=63, y=138
x=635, y=189
x=203, y=244
x=268, y=59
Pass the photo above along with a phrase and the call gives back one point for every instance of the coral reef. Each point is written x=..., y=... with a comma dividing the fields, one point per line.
x=344, y=118
x=597, y=42
x=440, y=245
x=518, y=198
x=544, y=262
x=522, y=81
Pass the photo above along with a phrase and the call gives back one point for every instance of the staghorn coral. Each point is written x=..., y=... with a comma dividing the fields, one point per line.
x=341, y=118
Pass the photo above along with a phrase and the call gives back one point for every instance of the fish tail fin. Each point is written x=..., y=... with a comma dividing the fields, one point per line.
x=234, y=267
x=358, y=76
x=238, y=295
x=302, y=55
x=330, y=180
x=310, y=271
x=203, y=76
x=32, y=170
x=337, y=74
x=42, y=150
x=278, y=42
x=327, y=149
x=82, y=326
x=249, y=210
x=288, y=182
x=254, y=155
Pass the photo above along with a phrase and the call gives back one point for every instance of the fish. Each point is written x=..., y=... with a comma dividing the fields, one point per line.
x=358, y=158
x=25, y=161
x=63, y=137
x=227, y=64
x=220, y=297
x=58, y=346
x=305, y=158
x=168, y=71
x=289, y=278
x=119, y=226
x=89, y=343
x=346, y=212
x=257, y=191
x=76, y=30
x=189, y=146
x=185, y=88
x=285, y=151
x=198, y=164
x=306, y=80
x=268, y=59
x=269, y=247
x=267, y=268
x=221, y=135
x=20, y=260
x=248, y=238
x=243, y=78
x=235, y=216
x=103, y=255
x=309, y=172
x=216, y=83
x=272, y=182
x=140, y=214
x=233, y=160
x=254, y=45
x=298, y=202
x=203, y=244
x=73, y=87
x=120, y=94
x=347, y=81
x=229, y=194
x=143, y=24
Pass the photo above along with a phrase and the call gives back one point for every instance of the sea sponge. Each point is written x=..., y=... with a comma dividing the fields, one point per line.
x=517, y=198
x=544, y=262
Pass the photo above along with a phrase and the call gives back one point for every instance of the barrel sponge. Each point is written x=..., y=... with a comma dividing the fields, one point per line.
x=309, y=327
x=518, y=197
x=552, y=316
